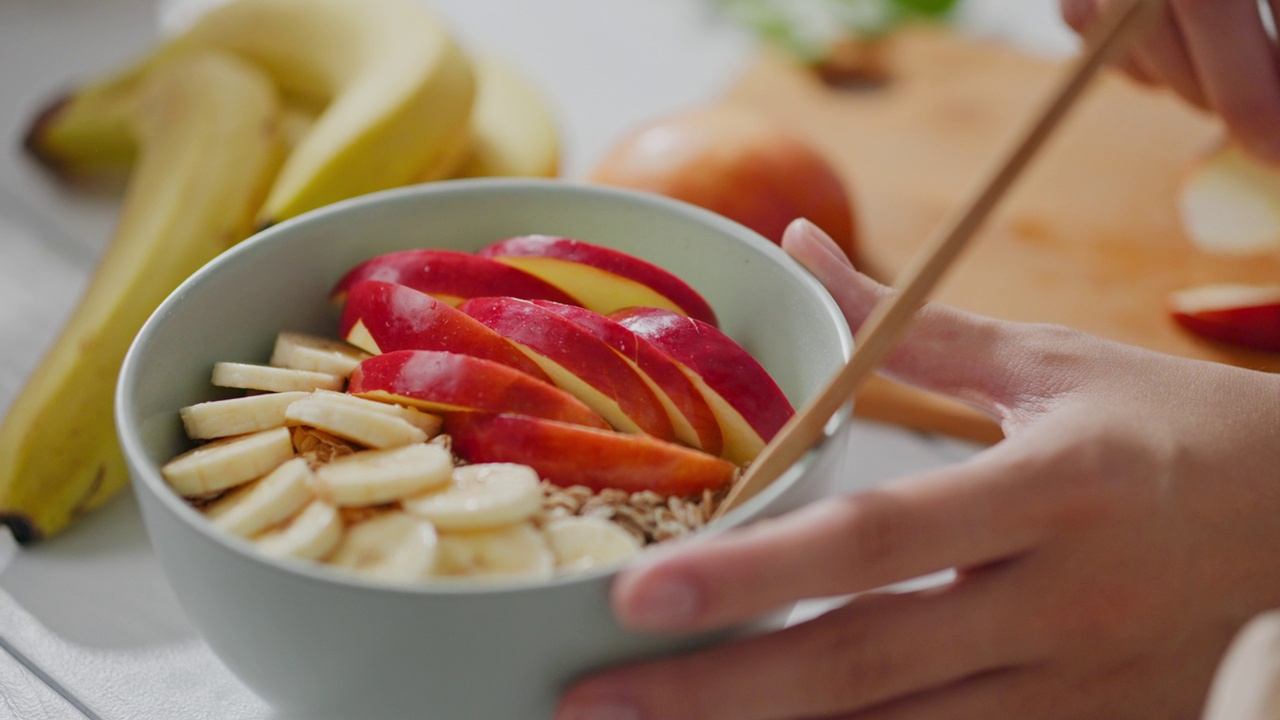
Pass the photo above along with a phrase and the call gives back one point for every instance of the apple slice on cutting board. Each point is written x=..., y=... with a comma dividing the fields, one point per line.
x=1244, y=315
x=1230, y=204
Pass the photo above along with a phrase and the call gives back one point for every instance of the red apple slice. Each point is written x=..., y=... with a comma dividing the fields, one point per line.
x=441, y=382
x=383, y=317
x=450, y=276
x=1230, y=204
x=604, y=279
x=694, y=422
x=1244, y=315
x=577, y=361
x=569, y=455
x=749, y=405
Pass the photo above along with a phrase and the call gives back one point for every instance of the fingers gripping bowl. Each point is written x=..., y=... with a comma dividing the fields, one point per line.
x=321, y=643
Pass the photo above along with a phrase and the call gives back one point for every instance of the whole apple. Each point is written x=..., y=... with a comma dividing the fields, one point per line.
x=738, y=163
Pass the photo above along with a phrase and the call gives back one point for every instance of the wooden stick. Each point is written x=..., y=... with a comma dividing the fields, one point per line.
x=890, y=317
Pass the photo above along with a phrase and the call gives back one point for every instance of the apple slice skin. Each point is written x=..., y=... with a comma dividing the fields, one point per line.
x=401, y=318
x=569, y=455
x=722, y=363
x=580, y=353
x=661, y=369
x=441, y=382
x=613, y=261
x=450, y=273
x=1241, y=315
x=1230, y=327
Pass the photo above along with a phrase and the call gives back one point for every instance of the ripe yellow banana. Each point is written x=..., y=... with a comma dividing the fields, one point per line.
x=395, y=93
x=87, y=132
x=481, y=497
x=208, y=144
x=513, y=130
x=396, y=90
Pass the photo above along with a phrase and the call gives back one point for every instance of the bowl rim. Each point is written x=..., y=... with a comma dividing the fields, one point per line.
x=145, y=475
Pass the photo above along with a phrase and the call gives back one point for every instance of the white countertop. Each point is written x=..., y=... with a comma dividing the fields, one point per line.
x=88, y=626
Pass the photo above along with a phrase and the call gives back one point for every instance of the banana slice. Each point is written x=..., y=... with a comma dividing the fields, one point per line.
x=237, y=416
x=311, y=534
x=583, y=543
x=481, y=496
x=318, y=354
x=371, y=427
x=518, y=550
x=424, y=421
x=256, y=506
x=380, y=476
x=226, y=463
x=272, y=379
x=393, y=546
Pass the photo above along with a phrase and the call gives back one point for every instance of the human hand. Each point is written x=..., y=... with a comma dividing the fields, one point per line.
x=1214, y=53
x=1106, y=551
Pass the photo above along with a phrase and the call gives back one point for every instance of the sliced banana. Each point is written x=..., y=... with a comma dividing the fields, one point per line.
x=481, y=496
x=258, y=505
x=237, y=416
x=583, y=543
x=361, y=425
x=272, y=379
x=318, y=354
x=393, y=546
x=519, y=550
x=381, y=476
x=311, y=534
x=226, y=463
x=424, y=421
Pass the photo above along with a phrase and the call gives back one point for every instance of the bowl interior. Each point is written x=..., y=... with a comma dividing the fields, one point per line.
x=280, y=279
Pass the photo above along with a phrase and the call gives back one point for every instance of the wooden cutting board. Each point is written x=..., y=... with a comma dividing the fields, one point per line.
x=1090, y=237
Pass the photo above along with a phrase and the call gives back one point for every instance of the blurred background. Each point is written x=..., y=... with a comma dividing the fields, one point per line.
x=905, y=99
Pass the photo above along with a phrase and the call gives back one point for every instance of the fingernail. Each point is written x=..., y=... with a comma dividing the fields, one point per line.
x=664, y=605
x=819, y=237
x=803, y=226
x=608, y=710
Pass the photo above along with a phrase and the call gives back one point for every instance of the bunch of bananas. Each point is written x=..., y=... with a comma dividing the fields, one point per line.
x=262, y=110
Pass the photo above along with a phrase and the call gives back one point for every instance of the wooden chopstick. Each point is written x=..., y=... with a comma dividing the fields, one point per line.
x=890, y=317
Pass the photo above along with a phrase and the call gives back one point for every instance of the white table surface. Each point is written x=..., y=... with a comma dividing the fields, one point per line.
x=88, y=626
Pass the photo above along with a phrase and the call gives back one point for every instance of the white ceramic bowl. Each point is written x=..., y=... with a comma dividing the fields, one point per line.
x=317, y=644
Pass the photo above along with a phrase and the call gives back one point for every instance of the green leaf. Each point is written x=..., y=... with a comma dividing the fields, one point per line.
x=926, y=8
x=790, y=23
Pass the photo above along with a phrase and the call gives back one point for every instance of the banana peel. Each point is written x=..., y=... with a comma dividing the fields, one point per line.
x=393, y=91
x=513, y=129
x=397, y=90
x=85, y=133
x=206, y=127
x=351, y=97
